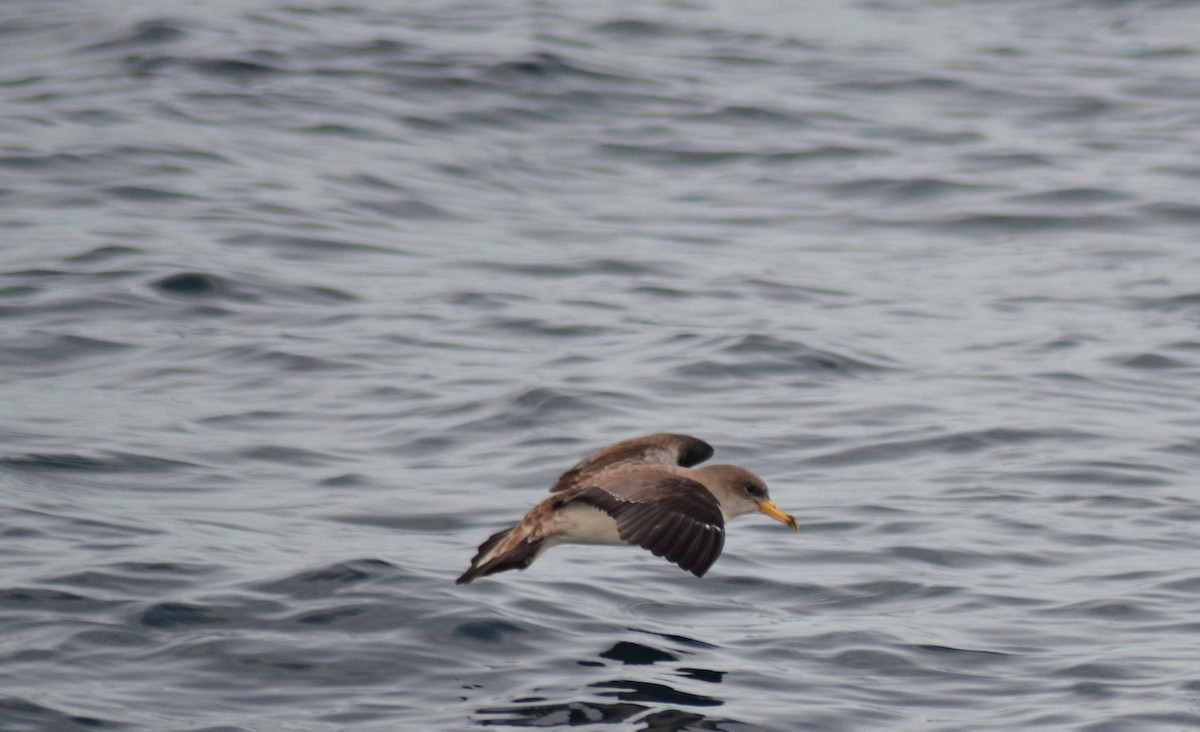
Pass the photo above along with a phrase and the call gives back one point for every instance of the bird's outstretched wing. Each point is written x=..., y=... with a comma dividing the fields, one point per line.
x=672, y=516
x=660, y=449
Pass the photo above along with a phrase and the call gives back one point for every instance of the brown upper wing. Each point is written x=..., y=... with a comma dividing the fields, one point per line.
x=672, y=516
x=661, y=449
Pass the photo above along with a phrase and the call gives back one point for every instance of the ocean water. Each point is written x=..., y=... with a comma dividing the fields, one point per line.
x=299, y=301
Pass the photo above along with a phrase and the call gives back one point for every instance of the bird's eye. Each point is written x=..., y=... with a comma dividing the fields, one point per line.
x=753, y=489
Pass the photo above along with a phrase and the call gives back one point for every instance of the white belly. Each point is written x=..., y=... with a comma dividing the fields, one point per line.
x=580, y=524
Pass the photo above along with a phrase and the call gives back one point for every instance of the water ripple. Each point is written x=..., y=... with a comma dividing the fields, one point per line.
x=301, y=302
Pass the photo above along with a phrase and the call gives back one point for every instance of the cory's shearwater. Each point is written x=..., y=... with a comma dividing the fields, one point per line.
x=643, y=491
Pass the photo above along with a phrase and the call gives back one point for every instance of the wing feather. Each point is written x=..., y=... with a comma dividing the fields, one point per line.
x=676, y=536
x=672, y=516
x=659, y=449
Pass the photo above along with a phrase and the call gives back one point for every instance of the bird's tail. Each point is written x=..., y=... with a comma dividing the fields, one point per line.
x=501, y=552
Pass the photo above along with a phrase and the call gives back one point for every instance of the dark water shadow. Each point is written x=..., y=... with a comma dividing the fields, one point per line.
x=628, y=699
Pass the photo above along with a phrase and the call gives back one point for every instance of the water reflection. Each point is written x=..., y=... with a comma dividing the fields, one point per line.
x=652, y=705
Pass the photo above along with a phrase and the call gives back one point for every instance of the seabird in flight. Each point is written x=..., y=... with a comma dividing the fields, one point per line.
x=643, y=491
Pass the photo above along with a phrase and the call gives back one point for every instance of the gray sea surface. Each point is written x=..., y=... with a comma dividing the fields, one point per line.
x=300, y=301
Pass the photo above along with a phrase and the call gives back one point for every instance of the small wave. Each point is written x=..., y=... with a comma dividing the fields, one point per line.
x=872, y=660
x=1074, y=196
x=405, y=208
x=741, y=115
x=42, y=598
x=280, y=360
x=153, y=32
x=21, y=714
x=174, y=615
x=245, y=289
x=147, y=194
x=905, y=189
x=1126, y=611
x=135, y=579
x=633, y=28
x=538, y=328
x=543, y=65
x=103, y=253
x=286, y=455
x=111, y=462
x=583, y=267
x=329, y=580
x=537, y=406
x=680, y=157
x=1175, y=213
x=1170, y=303
x=862, y=595
x=236, y=69
x=942, y=557
x=962, y=442
x=308, y=246
x=1152, y=362
x=903, y=83
x=54, y=349
x=757, y=356
x=488, y=631
x=191, y=284
x=1024, y=223
x=1098, y=474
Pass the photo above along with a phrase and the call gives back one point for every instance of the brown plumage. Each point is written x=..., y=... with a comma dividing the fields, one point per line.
x=643, y=492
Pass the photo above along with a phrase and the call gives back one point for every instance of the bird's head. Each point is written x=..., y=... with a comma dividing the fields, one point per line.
x=739, y=491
